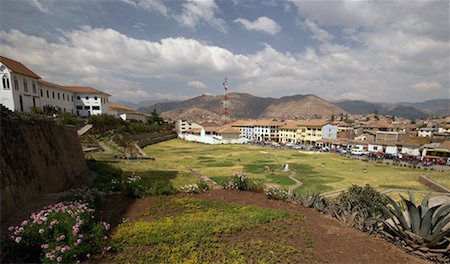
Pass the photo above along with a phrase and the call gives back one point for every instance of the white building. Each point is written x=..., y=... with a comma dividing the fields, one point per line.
x=56, y=95
x=181, y=126
x=426, y=132
x=329, y=131
x=372, y=147
x=89, y=101
x=19, y=91
x=22, y=89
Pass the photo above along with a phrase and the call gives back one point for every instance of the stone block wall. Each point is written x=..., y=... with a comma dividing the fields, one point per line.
x=37, y=157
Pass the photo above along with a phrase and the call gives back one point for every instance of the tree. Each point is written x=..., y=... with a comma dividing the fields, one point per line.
x=332, y=118
x=154, y=118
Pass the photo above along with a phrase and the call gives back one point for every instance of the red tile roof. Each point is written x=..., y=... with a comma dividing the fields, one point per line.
x=18, y=67
x=83, y=89
x=53, y=85
x=119, y=107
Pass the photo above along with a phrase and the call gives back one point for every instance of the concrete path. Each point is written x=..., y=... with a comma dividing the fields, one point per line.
x=84, y=129
x=206, y=179
x=140, y=150
x=105, y=147
x=296, y=185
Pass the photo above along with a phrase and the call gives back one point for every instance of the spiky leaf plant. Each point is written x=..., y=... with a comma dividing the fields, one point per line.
x=419, y=225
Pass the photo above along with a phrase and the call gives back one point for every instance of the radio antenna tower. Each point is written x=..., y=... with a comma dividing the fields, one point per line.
x=225, y=104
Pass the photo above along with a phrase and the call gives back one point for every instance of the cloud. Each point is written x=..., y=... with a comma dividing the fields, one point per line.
x=41, y=6
x=318, y=33
x=196, y=84
x=427, y=86
x=196, y=12
x=263, y=24
x=149, y=5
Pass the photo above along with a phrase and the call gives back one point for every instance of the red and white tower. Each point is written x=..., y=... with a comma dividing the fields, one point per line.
x=225, y=119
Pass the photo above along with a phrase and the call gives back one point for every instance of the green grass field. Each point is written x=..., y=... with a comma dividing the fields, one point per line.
x=320, y=172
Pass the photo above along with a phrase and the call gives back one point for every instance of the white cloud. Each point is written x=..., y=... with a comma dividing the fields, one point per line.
x=149, y=5
x=196, y=84
x=195, y=12
x=263, y=24
x=427, y=86
x=41, y=6
x=318, y=33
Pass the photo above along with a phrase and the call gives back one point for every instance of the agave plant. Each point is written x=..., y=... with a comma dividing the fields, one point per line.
x=419, y=226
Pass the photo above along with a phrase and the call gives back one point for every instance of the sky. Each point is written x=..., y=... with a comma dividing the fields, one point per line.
x=136, y=50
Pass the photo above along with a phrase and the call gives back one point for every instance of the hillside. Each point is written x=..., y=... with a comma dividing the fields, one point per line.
x=439, y=107
x=301, y=107
x=242, y=105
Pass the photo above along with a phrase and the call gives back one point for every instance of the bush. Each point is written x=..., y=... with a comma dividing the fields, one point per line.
x=203, y=186
x=364, y=199
x=277, y=194
x=109, y=177
x=158, y=187
x=190, y=188
x=134, y=187
x=63, y=232
x=84, y=195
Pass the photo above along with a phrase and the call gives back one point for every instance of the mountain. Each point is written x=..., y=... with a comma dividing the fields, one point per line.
x=133, y=105
x=439, y=107
x=246, y=106
x=301, y=107
x=359, y=107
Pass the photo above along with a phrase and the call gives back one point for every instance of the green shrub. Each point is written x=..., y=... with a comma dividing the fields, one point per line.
x=109, y=177
x=134, y=187
x=203, y=186
x=364, y=199
x=277, y=194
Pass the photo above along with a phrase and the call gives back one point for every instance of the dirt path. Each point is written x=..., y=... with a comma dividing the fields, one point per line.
x=330, y=240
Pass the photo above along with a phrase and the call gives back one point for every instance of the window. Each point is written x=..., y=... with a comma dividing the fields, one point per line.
x=86, y=107
x=78, y=97
x=87, y=97
x=95, y=107
x=79, y=107
x=5, y=81
x=25, y=86
x=72, y=98
x=48, y=96
x=95, y=98
x=42, y=93
x=59, y=98
x=33, y=84
x=16, y=84
x=64, y=97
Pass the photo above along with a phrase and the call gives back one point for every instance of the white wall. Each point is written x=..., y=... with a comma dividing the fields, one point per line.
x=16, y=98
x=61, y=98
x=329, y=131
x=6, y=88
x=375, y=148
x=90, y=104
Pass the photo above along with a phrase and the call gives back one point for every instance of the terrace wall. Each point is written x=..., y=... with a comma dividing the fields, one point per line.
x=37, y=157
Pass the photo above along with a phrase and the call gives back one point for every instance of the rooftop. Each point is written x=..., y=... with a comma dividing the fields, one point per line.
x=83, y=89
x=18, y=67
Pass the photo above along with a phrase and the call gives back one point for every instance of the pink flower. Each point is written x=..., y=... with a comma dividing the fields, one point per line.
x=18, y=239
x=62, y=237
x=48, y=254
x=79, y=241
x=63, y=250
x=57, y=248
x=11, y=228
x=41, y=231
x=59, y=259
x=105, y=237
x=44, y=246
x=24, y=223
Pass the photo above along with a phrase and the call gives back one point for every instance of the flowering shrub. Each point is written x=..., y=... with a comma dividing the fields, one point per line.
x=133, y=187
x=203, y=186
x=61, y=233
x=83, y=194
x=277, y=194
x=190, y=188
x=240, y=181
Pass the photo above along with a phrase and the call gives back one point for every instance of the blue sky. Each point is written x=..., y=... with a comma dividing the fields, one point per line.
x=381, y=51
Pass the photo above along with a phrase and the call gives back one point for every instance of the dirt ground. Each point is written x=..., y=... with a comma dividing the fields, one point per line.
x=331, y=241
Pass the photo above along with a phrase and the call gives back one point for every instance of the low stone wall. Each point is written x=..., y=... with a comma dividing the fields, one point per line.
x=36, y=158
x=433, y=185
x=143, y=140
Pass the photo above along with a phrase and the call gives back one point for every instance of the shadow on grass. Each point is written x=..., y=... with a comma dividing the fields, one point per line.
x=156, y=182
x=312, y=180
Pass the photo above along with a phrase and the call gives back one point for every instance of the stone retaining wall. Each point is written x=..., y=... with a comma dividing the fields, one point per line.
x=432, y=184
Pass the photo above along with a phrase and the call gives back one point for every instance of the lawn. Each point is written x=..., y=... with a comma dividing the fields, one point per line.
x=320, y=172
x=190, y=230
